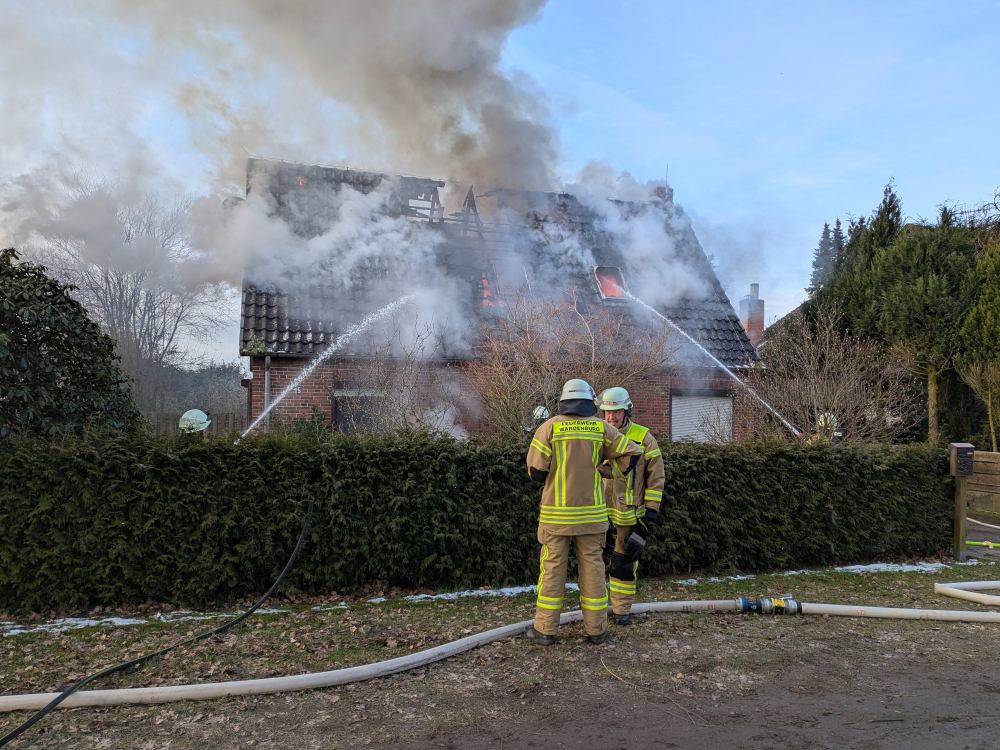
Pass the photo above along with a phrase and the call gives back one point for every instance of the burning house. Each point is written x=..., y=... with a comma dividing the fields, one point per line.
x=394, y=235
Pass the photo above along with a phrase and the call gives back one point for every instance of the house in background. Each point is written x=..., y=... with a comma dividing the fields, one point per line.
x=283, y=329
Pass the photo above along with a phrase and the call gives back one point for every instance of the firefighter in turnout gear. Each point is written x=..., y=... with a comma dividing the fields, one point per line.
x=564, y=455
x=633, y=503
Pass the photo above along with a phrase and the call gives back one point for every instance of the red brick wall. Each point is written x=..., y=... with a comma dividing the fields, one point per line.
x=314, y=395
x=651, y=396
x=652, y=403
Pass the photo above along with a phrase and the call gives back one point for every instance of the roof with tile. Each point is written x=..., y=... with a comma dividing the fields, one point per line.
x=299, y=324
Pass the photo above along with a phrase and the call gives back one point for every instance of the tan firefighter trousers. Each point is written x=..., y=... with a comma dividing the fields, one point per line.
x=622, y=583
x=552, y=581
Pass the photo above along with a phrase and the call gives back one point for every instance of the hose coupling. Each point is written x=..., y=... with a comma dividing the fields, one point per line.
x=769, y=605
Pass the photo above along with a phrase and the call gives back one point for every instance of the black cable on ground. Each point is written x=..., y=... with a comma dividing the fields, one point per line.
x=18, y=731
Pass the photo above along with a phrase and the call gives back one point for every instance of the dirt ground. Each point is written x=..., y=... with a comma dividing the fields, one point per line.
x=702, y=681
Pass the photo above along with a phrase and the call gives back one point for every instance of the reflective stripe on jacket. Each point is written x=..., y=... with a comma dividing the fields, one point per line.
x=570, y=449
x=628, y=495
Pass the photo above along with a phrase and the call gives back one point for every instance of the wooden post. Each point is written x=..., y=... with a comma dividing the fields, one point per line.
x=961, y=509
x=961, y=461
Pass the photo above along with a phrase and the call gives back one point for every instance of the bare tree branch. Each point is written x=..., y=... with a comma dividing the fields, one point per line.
x=132, y=284
x=833, y=385
x=532, y=346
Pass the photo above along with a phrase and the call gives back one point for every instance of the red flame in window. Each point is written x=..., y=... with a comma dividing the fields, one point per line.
x=611, y=282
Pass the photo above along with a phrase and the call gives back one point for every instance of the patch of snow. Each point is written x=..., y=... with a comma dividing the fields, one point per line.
x=453, y=595
x=68, y=623
x=186, y=615
x=76, y=623
x=920, y=567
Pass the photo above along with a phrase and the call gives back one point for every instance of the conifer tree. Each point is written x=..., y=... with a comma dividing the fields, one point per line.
x=823, y=258
x=920, y=282
x=838, y=240
x=980, y=365
x=851, y=286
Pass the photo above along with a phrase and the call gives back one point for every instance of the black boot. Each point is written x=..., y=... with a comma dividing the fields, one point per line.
x=599, y=638
x=540, y=638
x=625, y=619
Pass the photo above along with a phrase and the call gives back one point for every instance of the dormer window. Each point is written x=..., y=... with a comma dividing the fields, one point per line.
x=610, y=283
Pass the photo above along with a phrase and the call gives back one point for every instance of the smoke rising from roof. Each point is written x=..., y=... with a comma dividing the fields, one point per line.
x=413, y=87
x=655, y=237
x=421, y=80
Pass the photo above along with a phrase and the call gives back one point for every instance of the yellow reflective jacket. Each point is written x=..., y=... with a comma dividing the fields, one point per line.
x=570, y=448
x=628, y=495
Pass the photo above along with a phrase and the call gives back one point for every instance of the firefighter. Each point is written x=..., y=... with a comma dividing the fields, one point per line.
x=633, y=503
x=564, y=455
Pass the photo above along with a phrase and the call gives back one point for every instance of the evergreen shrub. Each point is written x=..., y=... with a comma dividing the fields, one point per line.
x=106, y=519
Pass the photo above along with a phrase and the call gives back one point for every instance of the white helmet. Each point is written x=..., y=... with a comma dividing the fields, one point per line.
x=577, y=389
x=194, y=420
x=615, y=399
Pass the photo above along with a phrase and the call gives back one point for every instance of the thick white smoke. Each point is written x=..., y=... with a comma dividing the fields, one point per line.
x=360, y=256
x=654, y=237
x=119, y=87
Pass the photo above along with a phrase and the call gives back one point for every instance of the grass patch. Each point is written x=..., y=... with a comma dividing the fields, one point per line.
x=701, y=656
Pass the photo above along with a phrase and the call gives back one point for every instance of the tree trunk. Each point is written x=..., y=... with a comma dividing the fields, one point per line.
x=932, y=405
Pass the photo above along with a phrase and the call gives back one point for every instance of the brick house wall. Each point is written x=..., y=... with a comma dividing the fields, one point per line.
x=652, y=395
x=315, y=394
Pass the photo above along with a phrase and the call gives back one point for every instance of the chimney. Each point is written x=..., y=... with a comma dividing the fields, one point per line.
x=752, y=314
x=664, y=192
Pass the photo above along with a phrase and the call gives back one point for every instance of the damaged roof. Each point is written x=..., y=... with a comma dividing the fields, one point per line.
x=279, y=323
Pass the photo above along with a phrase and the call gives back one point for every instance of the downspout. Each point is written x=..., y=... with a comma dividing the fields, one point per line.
x=267, y=391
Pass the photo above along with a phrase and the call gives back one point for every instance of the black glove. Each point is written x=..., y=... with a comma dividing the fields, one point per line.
x=636, y=542
x=609, y=544
x=634, y=545
x=647, y=524
x=537, y=475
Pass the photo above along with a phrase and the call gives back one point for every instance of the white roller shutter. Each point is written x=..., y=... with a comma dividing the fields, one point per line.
x=702, y=419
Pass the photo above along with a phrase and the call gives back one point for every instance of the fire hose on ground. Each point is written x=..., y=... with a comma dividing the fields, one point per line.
x=765, y=605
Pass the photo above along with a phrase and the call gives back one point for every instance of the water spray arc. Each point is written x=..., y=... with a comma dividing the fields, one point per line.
x=774, y=412
x=342, y=340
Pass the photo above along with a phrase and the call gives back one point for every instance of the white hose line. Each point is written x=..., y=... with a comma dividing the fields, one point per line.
x=212, y=690
x=899, y=613
x=983, y=523
x=966, y=589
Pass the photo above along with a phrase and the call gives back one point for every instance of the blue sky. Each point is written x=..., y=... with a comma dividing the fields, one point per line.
x=775, y=117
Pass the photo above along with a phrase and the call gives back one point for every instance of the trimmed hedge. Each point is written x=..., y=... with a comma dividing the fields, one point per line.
x=103, y=519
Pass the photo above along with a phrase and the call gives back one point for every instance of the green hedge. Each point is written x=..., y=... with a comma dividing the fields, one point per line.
x=101, y=520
